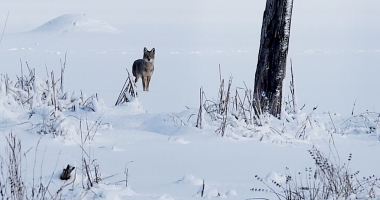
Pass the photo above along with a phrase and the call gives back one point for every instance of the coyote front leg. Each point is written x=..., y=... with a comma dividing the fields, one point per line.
x=148, y=81
x=144, y=81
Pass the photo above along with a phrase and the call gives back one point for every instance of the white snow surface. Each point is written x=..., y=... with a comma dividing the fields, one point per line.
x=164, y=156
x=335, y=51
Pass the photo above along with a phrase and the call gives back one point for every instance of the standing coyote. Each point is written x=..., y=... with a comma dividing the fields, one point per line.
x=144, y=68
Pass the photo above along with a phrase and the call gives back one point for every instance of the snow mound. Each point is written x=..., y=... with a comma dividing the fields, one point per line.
x=76, y=23
x=190, y=179
x=165, y=197
x=275, y=177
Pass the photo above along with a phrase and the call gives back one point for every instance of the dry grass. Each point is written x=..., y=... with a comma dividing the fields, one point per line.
x=128, y=92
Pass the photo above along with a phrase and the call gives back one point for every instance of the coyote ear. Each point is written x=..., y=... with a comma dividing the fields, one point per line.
x=145, y=50
x=153, y=50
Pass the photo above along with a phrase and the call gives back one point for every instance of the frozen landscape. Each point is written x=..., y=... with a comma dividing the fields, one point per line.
x=150, y=148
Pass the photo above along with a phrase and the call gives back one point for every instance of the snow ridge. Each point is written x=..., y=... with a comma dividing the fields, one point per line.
x=76, y=23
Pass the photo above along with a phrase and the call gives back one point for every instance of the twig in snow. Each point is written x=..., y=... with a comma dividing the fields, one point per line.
x=5, y=25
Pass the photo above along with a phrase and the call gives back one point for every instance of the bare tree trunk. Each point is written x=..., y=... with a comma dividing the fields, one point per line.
x=271, y=65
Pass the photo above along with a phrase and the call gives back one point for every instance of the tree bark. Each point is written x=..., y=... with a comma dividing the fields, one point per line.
x=271, y=65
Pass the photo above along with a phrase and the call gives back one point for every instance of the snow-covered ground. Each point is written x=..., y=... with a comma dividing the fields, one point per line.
x=335, y=51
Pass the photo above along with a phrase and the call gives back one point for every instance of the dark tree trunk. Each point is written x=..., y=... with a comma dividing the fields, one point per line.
x=271, y=65
x=66, y=173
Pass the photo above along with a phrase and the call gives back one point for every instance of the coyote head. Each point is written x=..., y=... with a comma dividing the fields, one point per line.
x=148, y=55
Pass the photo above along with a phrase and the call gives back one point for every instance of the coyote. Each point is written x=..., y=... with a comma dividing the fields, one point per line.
x=144, y=68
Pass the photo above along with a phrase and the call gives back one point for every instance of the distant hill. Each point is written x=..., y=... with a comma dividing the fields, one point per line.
x=76, y=23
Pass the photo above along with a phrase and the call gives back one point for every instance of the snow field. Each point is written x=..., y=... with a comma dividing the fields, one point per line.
x=155, y=137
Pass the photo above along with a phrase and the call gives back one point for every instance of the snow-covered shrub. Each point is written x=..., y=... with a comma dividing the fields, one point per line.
x=368, y=122
x=45, y=101
x=90, y=104
x=31, y=91
x=331, y=179
x=48, y=120
x=234, y=114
